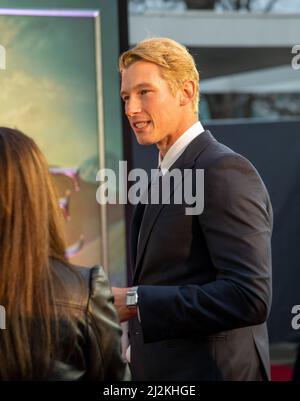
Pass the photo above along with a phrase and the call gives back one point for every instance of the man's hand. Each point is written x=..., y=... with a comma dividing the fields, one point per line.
x=120, y=304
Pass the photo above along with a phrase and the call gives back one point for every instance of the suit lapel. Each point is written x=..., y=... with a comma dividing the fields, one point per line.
x=152, y=211
x=135, y=228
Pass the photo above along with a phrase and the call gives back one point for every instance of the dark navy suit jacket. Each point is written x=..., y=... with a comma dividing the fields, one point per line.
x=204, y=280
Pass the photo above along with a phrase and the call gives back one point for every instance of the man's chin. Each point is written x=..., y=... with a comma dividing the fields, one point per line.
x=144, y=141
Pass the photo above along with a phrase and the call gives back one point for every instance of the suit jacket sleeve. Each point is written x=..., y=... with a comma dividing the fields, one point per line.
x=237, y=225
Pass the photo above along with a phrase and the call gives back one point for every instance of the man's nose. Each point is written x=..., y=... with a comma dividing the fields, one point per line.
x=133, y=106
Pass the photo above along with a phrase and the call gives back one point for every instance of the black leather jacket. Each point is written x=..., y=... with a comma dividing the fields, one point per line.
x=94, y=329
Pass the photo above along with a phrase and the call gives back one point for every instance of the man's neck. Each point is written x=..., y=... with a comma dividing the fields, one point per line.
x=168, y=141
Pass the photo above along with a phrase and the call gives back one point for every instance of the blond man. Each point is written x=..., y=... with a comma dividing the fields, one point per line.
x=202, y=282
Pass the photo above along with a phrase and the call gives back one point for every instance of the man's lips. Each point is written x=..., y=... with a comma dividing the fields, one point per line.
x=140, y=124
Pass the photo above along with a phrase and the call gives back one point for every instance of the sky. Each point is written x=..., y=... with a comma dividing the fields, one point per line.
x=48, y=89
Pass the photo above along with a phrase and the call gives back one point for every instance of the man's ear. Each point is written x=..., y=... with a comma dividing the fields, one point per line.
x=187, y=92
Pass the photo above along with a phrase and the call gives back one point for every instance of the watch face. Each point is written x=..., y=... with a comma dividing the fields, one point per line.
x=131, y=298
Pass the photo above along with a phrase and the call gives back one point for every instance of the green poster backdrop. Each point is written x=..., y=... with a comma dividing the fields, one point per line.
x=60, y=85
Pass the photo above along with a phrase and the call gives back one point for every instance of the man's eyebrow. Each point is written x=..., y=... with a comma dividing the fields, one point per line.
x=142, y=84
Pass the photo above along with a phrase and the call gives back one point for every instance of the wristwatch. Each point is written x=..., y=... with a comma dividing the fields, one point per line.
x=132, y=297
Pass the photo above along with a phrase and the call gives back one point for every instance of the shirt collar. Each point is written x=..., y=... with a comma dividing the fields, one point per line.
x=179, y=147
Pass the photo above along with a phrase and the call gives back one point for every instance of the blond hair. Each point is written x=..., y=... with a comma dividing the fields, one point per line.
x=176, y=63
